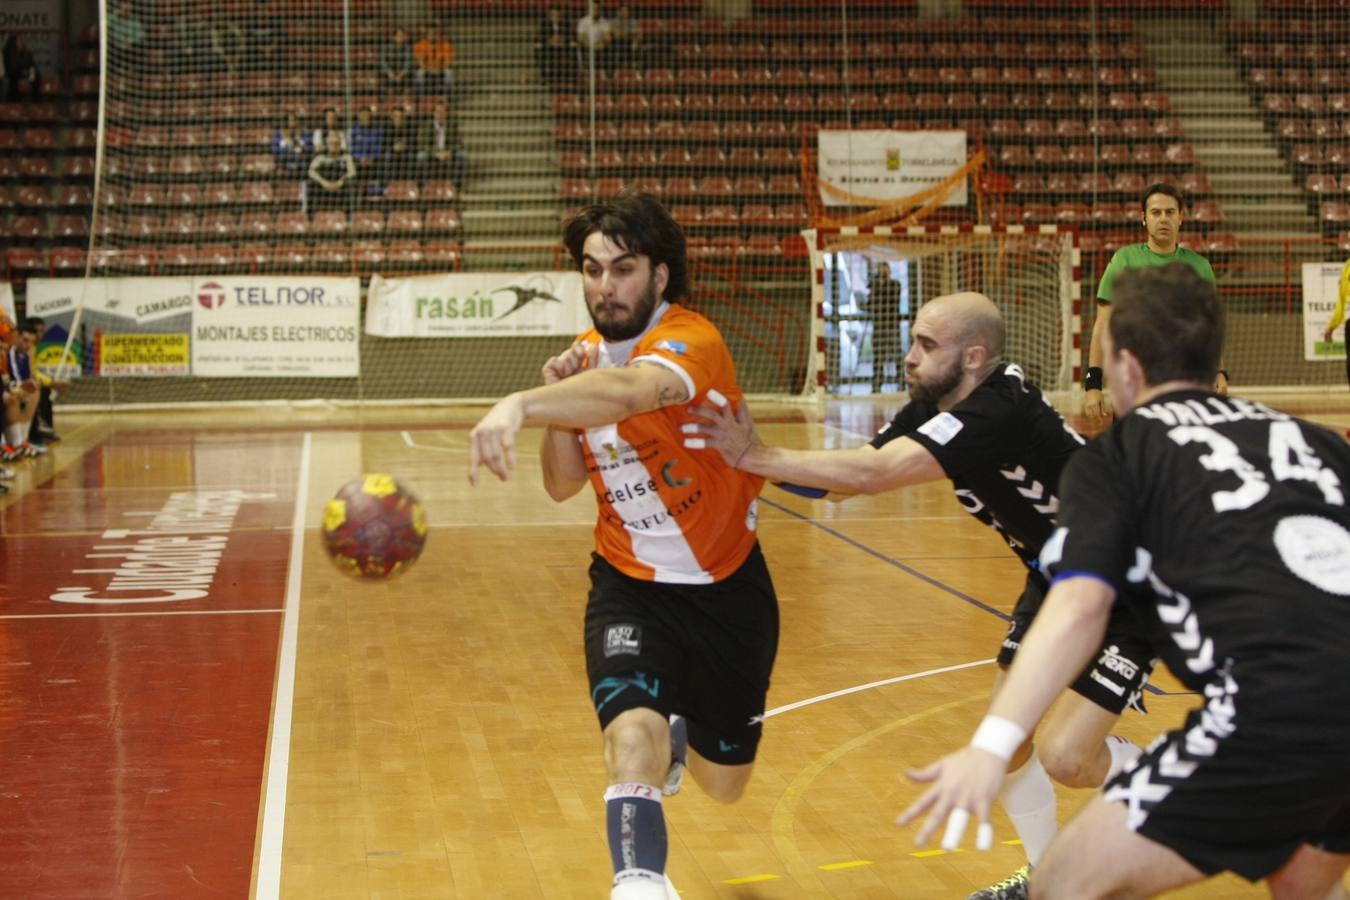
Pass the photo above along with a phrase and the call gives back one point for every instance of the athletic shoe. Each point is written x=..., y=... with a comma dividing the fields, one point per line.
x=679, y=749
x=1014, y=887
x=8, y=453
x=29, y=450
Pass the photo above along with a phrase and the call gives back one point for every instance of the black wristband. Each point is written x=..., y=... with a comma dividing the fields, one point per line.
x=1092, y=378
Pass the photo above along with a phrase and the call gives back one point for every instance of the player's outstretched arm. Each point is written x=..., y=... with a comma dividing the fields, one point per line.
x=1060, y=643
x=856, y=470
x=585, y=400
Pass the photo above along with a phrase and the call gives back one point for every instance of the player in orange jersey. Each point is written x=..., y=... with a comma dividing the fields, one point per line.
x=682, y=619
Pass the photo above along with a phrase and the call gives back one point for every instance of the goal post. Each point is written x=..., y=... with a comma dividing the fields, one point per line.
x=1031, y=272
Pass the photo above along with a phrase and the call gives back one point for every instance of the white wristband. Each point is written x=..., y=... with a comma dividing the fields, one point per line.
x=998, y=736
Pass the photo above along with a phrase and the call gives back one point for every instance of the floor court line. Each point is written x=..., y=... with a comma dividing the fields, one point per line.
x=267, y=885
x=125, y=615
x=843, y=692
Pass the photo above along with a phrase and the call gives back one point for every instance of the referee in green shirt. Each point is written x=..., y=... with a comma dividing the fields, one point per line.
x=1163, y=212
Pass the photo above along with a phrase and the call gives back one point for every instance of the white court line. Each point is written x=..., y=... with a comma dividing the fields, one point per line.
x=872, y=684
x=268, y=886
x=407, y=439
x=159, y=612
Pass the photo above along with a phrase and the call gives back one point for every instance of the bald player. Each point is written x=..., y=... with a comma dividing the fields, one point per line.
x=976, y=420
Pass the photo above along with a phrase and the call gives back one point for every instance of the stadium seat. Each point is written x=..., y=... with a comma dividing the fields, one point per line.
x=182, y=224
x=29, y=196
x=68, y=261
x=36, y=167
x=368, y=222
x=405, y=221
x=329, y=223
x=27, y=228
x=143, y=225
x=220, y=224
x=1322, y=184
x=440, y=192
x=441, y=221
x=257, y=224
x=405, y=253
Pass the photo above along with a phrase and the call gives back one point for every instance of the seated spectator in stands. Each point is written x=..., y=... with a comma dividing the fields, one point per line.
x=20, y=392
x=262, y=38
x=435, y=57
x=555, y=50
x=49, y=388
x=397, y=63
x=292, y=147
x=594, y=32
x=366, y=146
x=21, y=71
x=332, y=175
x=400, y=149
x=439, y=148
x=625, y=36
x=227, y=43
x=319, y=139
x=126, y=33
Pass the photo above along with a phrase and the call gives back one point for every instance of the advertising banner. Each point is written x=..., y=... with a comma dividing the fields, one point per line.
x=481, y=304
x=1321, y=281
x=143, y=354
x=276, y=327
x=882, y=166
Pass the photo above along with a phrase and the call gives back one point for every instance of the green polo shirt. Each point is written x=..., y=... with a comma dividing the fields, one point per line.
x=1136, y=256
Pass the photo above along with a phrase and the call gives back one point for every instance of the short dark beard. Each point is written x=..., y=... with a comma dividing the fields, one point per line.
x=642, y=315
x=936, y=390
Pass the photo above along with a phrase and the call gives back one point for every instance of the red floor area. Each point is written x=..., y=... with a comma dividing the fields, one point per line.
x=133, y=732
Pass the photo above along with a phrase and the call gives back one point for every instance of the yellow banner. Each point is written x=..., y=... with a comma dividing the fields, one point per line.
x=143, y=354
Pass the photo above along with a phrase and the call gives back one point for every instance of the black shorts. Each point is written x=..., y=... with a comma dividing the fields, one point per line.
x=1116, y=679
x=1244, y=782
x=704, y=651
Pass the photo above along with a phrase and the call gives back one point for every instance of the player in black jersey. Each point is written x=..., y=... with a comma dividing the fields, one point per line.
x=977, y=421
x=1234, y=517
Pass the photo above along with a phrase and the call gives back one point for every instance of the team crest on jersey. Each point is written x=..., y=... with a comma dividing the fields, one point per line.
x=611, y=451
x=623, y=639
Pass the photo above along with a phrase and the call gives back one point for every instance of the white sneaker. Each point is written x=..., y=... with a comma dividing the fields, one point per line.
x=679, y=748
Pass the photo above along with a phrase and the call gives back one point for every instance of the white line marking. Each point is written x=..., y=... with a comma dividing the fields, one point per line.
x=161, y=612
x=863, y=687
x=413, y=445
x=279, y=753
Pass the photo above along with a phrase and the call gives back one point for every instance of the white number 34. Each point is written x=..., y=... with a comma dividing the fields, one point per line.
x=1291, y=459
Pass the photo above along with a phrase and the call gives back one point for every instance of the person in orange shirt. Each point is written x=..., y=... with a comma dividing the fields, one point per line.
x=435, y=57
x=682, y=620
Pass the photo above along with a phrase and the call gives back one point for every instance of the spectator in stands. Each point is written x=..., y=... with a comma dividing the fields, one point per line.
x=625, y=34
x=292, y=147
x=594, y=32
x=319, y=139
x=126, y=33
x=262, y=38
x=397, y=63
x=21, y=71
x=435, y=57
x=365, y=143
x=439, y=148
x=49, y=387
x=400, y=156
x=227, y=43
x=555, y=49
x=332, y=175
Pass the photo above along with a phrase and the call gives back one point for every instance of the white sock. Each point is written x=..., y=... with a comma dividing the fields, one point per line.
x=1029, y=800
x=639, y=890
x=1123, y=754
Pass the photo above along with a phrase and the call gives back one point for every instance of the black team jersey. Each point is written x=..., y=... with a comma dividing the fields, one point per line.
x=1234, y=518
x=1004, y=448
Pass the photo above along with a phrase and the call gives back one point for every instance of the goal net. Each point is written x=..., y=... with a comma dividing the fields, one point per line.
x=870, y=282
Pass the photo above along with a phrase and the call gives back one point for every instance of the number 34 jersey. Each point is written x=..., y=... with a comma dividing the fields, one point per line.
x=1236, y=516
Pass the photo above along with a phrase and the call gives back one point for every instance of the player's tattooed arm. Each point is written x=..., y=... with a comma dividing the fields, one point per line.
x=667, y=390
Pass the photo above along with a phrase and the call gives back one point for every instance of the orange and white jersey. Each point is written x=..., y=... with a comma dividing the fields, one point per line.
x=669, y=513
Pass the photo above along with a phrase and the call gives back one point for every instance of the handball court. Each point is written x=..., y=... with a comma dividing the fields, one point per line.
x=195, y=703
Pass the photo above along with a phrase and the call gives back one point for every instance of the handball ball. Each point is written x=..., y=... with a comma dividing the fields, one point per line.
x=374, y=527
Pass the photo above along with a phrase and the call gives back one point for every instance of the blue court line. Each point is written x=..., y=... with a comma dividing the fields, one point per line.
x=909, y=570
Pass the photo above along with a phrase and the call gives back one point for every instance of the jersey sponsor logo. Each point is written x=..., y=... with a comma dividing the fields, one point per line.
x=668, y=476
x=659, y=517
x=623, y=640
x=632, y=490
x=1112, y=661
x=1316, y=550
x=676, y=347
x=941, y=428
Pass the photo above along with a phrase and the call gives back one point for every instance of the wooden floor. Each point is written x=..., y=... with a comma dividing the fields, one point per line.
x=300, y=734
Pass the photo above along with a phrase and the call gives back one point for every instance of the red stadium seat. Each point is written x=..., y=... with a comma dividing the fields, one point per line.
x=441, y=221
x=368, y=222
x=405, y=221
x=220, y=224
x=440, y=192
x=182, y=224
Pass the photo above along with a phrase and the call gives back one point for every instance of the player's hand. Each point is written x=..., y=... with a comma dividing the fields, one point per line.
x=1221, y=384
x=581, y=355
x=965, y=785
x=492, y=442
x=1094, y=405
x=1326, y=336
x=717, y=427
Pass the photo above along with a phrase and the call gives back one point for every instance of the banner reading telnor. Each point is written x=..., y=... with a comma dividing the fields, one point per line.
x=482, y=304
